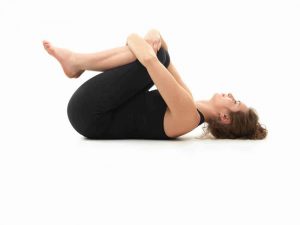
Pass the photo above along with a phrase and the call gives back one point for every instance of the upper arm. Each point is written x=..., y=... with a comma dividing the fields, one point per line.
x=176, y=97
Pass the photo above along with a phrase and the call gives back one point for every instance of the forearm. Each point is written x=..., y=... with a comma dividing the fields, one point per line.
x=137, y=45
x=177, y=77
x=152, y=34
x=140, y=48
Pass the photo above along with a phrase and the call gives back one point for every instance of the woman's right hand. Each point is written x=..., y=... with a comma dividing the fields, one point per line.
x=153, y=38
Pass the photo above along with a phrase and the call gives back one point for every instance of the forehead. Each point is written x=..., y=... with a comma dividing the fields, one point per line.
x=241, y=106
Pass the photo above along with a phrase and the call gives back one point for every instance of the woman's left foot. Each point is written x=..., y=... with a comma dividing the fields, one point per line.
x=66, y=58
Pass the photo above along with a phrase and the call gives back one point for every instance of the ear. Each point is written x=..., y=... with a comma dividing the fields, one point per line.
x=224, y=118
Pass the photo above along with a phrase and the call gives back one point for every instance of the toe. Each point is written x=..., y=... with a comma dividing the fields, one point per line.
x=46, y=44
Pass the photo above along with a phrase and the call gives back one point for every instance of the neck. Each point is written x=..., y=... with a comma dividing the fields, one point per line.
x=206, y=108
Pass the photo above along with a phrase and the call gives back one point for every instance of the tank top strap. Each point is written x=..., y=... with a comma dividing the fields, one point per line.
x=202, y=119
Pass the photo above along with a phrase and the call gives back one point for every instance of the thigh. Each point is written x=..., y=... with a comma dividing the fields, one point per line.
x=112, y=88
x=89, y=107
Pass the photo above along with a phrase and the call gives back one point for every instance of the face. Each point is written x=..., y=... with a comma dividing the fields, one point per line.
x=226, y=103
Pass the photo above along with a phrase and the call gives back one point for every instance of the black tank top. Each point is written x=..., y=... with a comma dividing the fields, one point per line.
x=142, y=117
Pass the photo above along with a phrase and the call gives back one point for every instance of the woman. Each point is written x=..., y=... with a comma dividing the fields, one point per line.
x=117, y=103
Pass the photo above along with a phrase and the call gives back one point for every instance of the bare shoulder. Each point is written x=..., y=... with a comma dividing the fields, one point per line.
x=175, y=126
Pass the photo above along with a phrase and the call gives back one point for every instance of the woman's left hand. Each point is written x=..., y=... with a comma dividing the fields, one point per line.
x=153, y=38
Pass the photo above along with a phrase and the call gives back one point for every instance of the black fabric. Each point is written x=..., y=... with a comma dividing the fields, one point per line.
x=202, y=120
x=117, y=104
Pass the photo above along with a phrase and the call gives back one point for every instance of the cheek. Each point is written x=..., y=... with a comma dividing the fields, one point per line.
x=221, y=101
x=225, y=103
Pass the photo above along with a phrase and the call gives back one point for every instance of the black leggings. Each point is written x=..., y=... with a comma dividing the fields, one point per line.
x=89, y=107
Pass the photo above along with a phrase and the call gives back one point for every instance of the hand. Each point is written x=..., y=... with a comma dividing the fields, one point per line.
x=153, y=38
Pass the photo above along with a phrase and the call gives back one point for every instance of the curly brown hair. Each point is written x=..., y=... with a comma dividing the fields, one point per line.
x=243, y=126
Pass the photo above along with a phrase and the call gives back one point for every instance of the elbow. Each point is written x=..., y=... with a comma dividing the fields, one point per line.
x=131, y=36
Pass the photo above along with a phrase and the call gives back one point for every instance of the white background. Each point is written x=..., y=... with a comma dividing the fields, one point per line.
x=49, y=174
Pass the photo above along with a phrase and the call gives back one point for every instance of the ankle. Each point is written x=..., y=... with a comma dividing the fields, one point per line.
x=76, y=60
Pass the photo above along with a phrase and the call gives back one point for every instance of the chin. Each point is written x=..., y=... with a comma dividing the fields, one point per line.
x=216, y=96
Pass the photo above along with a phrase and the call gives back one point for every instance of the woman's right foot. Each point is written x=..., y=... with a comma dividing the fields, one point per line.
x=66, y=59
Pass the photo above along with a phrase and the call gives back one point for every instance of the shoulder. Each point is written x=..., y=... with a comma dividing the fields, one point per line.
x=179, y=125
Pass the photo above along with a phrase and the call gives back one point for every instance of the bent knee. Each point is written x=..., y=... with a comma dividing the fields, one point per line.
x=164, y=57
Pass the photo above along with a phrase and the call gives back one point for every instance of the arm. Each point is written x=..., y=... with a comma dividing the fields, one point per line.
x=140, y=48
x=151, y=36
x=154, y=37
x=177, y=77
x=176, y=97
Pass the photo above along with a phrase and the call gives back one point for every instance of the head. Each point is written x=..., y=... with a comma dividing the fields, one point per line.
x=233, y=119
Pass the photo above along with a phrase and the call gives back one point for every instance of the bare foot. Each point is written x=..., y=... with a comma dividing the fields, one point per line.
x=66, y=59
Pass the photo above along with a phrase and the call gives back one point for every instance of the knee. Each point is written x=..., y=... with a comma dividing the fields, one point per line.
x=163, y=57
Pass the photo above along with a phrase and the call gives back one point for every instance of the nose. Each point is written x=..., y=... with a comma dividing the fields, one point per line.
x=230, y=96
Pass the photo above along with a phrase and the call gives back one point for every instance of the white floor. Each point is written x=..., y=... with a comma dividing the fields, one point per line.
x=49, y=174
x=65, y=179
